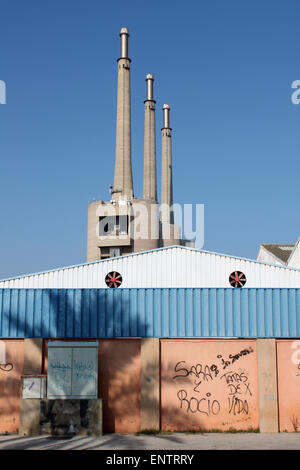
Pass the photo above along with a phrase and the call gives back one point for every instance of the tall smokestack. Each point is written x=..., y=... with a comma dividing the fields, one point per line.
x=149, y=183
x=167, y=216
x=123, y=186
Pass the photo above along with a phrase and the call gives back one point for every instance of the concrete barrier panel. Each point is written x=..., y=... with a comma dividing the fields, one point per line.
x=288, y=364
x=209, y=385
x=11, y=371
x=120, y=384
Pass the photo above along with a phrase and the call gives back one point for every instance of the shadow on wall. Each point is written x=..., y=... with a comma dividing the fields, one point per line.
x=89, y=315
x=11, y=370
x=108, y=316
x=209, y=385
x=84, y=315
x=119, y=360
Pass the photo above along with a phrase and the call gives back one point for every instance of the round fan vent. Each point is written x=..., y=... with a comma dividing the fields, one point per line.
x=237, y=279
x=113, y=279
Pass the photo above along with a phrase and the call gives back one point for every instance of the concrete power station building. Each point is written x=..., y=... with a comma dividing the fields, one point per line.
x=126, y=223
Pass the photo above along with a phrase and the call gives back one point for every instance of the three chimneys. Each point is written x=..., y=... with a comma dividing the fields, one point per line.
x=123, y=182
x=127, y=224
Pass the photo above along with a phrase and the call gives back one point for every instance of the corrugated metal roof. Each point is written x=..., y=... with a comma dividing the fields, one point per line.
x=167, y=267
x=281, y=251
x=139, y=253
x=108, y=313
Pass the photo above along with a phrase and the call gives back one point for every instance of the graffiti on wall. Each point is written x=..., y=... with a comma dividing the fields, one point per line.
x=295, y=357
x=209, y=385
x=5, y=366
x=214, y=388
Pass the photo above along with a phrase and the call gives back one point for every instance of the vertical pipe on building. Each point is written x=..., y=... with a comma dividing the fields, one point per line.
x=123, y=184
x=149, y=182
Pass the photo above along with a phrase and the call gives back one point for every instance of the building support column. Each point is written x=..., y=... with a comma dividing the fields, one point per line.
x=150, y=397
x=33, y=356
x=30, y=408
x=267, y=385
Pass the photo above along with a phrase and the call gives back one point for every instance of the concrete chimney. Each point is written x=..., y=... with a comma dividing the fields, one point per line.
x=167, y=216
x=170, y=234
x=149, y=183
x=123, y=185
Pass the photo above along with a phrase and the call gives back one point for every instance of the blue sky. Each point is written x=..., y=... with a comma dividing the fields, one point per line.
x=225, y=68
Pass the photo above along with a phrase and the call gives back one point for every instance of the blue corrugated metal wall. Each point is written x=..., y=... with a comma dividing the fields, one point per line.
x=109, y=313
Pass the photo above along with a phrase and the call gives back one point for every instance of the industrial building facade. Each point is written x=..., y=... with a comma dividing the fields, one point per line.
x=185, y=339
x=169, y=359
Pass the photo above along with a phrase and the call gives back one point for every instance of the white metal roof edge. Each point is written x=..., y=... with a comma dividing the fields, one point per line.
x=294, y=249
x=149, y=251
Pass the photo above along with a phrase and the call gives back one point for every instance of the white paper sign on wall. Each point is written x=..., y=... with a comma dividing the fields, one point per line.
x=33, y=387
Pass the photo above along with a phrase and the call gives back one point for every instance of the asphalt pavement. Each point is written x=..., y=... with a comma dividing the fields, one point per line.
x=161, y=442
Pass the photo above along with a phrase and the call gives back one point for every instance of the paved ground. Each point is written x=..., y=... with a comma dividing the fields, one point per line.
x=175, y=441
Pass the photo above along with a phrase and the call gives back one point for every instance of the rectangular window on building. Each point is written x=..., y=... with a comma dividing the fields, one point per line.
x=113, y=252
x=113, y=225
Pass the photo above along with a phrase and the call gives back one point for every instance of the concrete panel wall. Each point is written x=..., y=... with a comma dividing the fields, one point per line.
x=288, y=366
x=172, y=384
x=11, y=370
x=267, y=385
x=119, y=383
x=150, y=384
x=145, y=225
x=209, y=384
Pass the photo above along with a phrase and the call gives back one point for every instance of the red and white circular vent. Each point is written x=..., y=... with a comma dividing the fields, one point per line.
x=113, y=279
x=237, y=279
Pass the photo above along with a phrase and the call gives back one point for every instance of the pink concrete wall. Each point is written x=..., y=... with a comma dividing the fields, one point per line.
x=208, y=384
x=119, y=382
x=288, y=368
x=10, y=384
